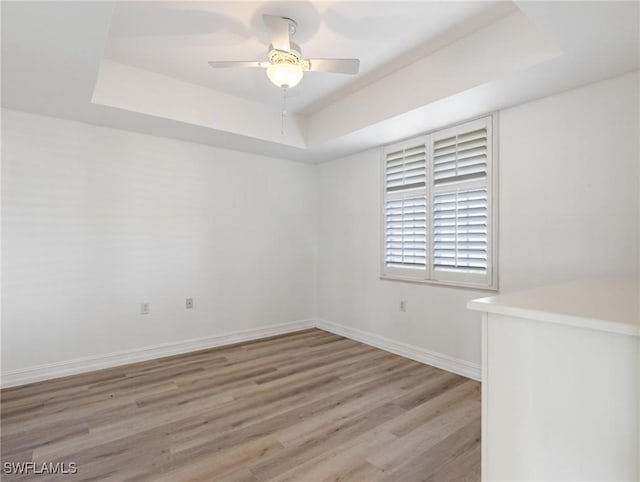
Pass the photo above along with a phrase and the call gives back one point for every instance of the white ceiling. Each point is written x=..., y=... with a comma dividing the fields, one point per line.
x=142, y=66
x=178, y=38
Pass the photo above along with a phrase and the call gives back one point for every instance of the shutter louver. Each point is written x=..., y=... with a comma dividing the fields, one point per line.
x=460, y=231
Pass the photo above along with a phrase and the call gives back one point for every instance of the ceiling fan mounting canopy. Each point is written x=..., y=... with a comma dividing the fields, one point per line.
x=286, y=66
x=293, y=25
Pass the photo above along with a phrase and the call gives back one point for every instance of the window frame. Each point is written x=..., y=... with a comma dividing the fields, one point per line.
x=429, y=275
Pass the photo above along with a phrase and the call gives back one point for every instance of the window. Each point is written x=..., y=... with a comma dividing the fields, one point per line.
x=439, y=210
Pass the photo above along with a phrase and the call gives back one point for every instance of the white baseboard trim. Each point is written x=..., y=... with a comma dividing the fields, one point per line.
x=80, y=365
x=87, y=364
x=438, y=360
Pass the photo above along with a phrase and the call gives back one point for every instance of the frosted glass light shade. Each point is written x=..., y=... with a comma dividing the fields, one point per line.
x=285, y=75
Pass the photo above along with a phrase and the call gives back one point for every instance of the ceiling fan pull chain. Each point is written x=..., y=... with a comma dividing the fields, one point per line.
x=284, y=111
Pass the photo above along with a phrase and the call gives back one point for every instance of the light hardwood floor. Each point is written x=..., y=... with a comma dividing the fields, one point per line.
x=308, y=406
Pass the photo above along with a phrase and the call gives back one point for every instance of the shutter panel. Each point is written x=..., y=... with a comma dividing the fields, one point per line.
x=406, y=169
x=461, y=183
x=405, y=208
x=460, y=157
x=406, y=232
x=460, y=231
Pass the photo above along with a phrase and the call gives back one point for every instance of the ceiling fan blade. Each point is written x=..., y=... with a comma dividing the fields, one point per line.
x=338, y=66
x=223, y=64
x=278, y=28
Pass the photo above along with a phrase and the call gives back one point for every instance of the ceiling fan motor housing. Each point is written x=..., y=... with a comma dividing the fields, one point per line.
x=293, y=56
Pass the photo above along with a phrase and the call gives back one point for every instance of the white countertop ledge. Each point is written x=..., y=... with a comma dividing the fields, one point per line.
x=605, y=304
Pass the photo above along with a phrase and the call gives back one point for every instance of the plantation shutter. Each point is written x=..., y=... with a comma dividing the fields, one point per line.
x=461, y=182
x=405, y=208
x=438, y=207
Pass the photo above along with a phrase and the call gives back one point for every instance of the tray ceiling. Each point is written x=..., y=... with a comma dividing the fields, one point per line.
x=143, y=66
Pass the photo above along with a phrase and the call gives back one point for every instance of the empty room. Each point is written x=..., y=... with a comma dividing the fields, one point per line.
x=320, y=241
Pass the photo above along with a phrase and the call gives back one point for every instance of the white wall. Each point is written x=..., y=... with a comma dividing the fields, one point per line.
x=97, y=220
x=569, y=195
x=569, y=186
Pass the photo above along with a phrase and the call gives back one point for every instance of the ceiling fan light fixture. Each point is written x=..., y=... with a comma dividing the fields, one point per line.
x=286, y=66
x=285, y=75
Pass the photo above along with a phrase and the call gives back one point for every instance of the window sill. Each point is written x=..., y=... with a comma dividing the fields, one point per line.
x=448, y=284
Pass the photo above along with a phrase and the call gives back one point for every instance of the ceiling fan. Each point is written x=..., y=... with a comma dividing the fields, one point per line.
x=286, y=66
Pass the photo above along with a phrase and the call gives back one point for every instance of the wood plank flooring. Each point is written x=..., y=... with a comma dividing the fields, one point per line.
x=308, y=406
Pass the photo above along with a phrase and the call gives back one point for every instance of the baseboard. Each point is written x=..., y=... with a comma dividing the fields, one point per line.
x=438, y=360
x=81, y=365
x=87, y=364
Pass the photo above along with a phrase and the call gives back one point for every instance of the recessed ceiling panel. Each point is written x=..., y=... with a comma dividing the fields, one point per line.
x=177, y=39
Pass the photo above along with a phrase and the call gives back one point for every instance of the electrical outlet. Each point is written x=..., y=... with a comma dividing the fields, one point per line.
x=144, y=308
x=403, y=306
x=189, y=303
